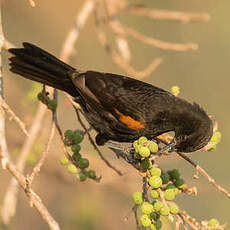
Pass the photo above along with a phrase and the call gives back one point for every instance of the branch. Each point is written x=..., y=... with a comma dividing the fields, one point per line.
x=72, y=36
x=205, y=174
x=169, y=15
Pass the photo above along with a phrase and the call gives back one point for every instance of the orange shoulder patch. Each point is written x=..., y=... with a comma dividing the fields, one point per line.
x=129, y=121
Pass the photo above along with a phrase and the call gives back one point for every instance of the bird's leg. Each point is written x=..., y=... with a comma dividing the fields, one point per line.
x=168, y=148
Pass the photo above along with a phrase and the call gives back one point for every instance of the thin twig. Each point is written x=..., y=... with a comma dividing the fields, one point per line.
x=158, y=43
x=10, y=201
x=34, y=198
x=121, y=62
x=13, y=116
x=72, y=36
x=95, y=146
x=169, y=15
x=205, y=174
x=38, y=166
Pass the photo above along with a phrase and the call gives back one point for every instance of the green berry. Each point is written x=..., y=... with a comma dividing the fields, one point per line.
x=72, y=169
x=68, y=134
x=142, y=140
x=145, y=164
x=216, y=138
x=212, y=148
x=64, y=161
x=83, y=163
x=52, y=104
x=81, y=176
x=158, y=205
x=155, y=181
x=76, y=156
x=158, y=224
x=77, y=136
x=143, y=228
x=146, y=208
x=76, y=148
x=213, y=223
x=153, y=227
x=137, y=155
x=137, y=197
x=153, y=147
x=174, y=209
x=169, y=194
x=40, y=96
x=144, y=151
x=170, y=186
x=180, y=182
x=145, y=220
x=155, y=216
x=135, y=144
x=154, y=194
x=175, y=90
x=165, y=178
x=155, y=171
x=91, y=174
x=174, y=174
x=165, y=210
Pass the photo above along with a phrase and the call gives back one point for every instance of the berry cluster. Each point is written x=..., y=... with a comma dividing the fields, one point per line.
x=79, y=164
x=157, y=199
x=51, y=104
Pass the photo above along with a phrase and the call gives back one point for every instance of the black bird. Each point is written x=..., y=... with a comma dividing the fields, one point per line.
x=119, y=108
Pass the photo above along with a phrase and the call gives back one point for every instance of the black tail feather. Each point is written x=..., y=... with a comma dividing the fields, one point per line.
x=36, y=64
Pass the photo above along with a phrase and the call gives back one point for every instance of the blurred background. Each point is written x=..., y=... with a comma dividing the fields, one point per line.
x=202, y=76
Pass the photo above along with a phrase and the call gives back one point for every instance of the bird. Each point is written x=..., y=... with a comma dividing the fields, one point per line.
x=119, y=108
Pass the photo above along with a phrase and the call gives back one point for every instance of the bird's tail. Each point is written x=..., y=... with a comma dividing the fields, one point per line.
x=38, y=65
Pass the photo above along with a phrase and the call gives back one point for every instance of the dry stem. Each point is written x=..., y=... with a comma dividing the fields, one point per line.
x=169, y=15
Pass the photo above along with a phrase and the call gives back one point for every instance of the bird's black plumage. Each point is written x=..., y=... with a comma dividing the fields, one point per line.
x=119, y=108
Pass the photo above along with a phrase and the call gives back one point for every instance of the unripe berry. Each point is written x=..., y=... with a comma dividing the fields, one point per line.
x=155, y=171
x=154, y=194
x=142, y=140
x=144, y=151
x=52, y=104
x=155, y=181
x=83, y=163
x=76, y=148
x=169, y=194
x=216, y=138
x=158, y=224
x=165, y=210
x=145, y=221
x=76, y=156
x=175, y=90
x=40, y=96
x=81, y=176
x=158, y=205
x=153, y=227
x=180, y=182
x=165, y=178
x=145, y=164
x=72, y=169
x=146, y=208
x=213, y=223
x=174, y=174
x=77, y=136
x=91, y=174
x=64, y=161
x=153, y=147
x=137, y=197
x=174, y=209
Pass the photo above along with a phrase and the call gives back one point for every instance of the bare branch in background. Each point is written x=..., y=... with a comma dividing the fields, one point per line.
x=14, y=117
x=168, y=15
x=73, y=34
